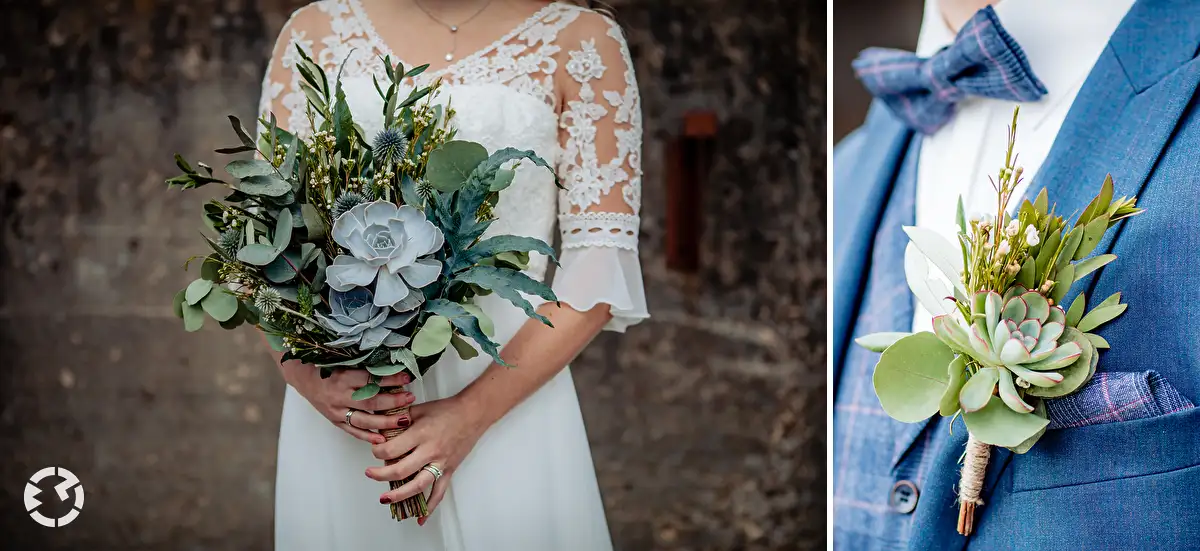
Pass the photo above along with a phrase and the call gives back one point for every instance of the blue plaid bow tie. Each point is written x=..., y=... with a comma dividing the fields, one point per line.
x=983, y=61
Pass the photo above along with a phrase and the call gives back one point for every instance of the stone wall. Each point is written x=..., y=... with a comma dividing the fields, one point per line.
x=707, y=422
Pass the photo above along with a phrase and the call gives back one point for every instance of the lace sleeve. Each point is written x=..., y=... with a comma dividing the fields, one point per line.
x=281, y=93
x=600, y=132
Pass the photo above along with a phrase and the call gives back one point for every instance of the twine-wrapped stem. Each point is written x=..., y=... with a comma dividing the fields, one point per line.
x=414, y=506
x=970, y=488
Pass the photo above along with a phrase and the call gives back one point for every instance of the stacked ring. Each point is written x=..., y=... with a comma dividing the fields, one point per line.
x=433, y=470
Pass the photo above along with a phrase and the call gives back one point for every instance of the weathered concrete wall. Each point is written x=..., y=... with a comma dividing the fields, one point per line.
x=707, y=422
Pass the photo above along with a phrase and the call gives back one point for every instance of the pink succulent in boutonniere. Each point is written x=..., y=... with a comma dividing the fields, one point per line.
x=1002, y=340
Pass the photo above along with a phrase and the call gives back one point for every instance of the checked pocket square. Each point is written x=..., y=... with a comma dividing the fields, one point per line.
x=1112, y=397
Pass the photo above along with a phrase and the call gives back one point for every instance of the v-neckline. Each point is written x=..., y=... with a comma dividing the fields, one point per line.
x=360, y=14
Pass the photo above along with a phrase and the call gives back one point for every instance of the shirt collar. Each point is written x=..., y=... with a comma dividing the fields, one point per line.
x=1062, y=41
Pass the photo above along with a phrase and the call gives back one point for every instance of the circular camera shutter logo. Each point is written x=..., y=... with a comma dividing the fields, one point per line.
x=70, y=482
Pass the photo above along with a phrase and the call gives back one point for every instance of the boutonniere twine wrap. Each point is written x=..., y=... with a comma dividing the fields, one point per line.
x=356, y=254
x=1002, y=341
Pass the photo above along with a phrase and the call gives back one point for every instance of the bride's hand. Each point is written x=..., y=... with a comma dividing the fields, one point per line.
x=443, y=433
x=331, y=398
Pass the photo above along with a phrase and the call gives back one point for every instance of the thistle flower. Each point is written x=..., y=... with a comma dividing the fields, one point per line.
x=347, y=201
x=267, y=300
x=230, y=241
x=390, y=147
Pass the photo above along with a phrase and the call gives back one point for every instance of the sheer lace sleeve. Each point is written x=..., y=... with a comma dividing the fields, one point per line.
x=600, y=130
x=308, y=27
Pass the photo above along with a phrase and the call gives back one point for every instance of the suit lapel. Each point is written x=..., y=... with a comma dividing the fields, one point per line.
x=1123, y=117
x=863, y=178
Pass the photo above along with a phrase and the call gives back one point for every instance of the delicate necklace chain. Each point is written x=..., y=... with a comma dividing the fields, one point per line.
x=453, y=28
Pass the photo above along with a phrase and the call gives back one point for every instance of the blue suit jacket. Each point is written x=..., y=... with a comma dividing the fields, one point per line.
x=1124, y=485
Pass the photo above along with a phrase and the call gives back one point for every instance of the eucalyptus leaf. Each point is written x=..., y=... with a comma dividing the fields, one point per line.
x=366, y=392
x=385, y=370
x=911, y=377
x=485, y=322
x=313, y=223
x=257, y=254
x=467, y=324
x=210, y=268
x=346, y=363
x=878, y=342
x=220, y=305
x=177, y=303
x=245, y=168
x=284, y=268
x=275, y=342
x=193, y=317
x=1039, y=409
x=450, y=165
x=503, y=179
x=998, y=425
x=283, y=230
x=241, y=131
x=464, y=348
x=433, y=337
x=267, y=185
x=197, y=290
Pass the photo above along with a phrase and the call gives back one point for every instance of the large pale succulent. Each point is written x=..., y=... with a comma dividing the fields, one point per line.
x=356, y=319
x=387, y=245
x=1019, y=342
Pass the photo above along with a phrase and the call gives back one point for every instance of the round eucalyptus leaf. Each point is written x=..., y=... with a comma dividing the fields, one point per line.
x=433, y=337
x=911, y=377
x=464, y=348
x=1039, y=409
x=193, y=317
x=385, y=369
x=998, y=425
x=451, y=164
x=197, y=290
x=257, y=254
x=485, y=322
x=220, y=305
x=210, y=267
x=178, y=302
x=367, y=392
x=978, y=389
x=503, y=179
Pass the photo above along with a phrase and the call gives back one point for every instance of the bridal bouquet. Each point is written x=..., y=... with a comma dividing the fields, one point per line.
x=357, y=254
x=1002, y=342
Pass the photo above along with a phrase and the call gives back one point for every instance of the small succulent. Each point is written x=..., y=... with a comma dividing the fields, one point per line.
x=390, y=147
x=356, y=320
x=1019, y=342
x=387, y=245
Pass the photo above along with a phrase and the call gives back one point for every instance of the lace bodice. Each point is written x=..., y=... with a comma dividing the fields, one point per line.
x=561, y=83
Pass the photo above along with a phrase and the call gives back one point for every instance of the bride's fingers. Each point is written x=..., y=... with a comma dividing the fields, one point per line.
x=384, y=401
x=399, y=470
x=364, y=435
x=371, y=421
x=435, y=497
x=396, y=447
x=399, y=379
x=417, y=485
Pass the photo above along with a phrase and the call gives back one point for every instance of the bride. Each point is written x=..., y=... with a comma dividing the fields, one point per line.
x=509, y=444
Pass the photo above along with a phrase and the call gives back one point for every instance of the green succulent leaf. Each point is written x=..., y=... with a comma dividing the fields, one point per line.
x=433, y=337
x=878, y=342
x=998, y=425
x=957, y=371
x=197, y=290
x=1074, y=375
x=451, y=164
x=978, y=389
x=911, y=377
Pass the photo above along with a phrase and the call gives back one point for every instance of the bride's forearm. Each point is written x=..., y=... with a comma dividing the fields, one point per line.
x=539, y=353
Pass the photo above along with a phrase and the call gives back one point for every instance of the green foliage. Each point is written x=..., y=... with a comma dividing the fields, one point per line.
x=912, y=376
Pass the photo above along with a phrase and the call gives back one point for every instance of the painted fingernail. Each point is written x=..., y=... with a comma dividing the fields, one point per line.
x=385, y=500
x=368, y=473
x=404, y=421
x=421, y=521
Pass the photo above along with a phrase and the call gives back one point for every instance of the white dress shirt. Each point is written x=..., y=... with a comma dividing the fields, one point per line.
x=1062, y=40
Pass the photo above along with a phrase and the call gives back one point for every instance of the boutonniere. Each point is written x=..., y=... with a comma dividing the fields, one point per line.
x=1002, y=341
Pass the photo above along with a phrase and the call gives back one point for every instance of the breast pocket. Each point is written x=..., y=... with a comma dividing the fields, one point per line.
x=1123, y=485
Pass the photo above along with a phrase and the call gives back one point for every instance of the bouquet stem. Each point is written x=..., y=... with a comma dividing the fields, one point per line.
x=414, y=506
x=970, y=488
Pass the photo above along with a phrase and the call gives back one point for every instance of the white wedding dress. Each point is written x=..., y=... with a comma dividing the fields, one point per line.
x=561, y=84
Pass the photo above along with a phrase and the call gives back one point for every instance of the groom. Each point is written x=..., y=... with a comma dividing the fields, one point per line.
x=1106, y=86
